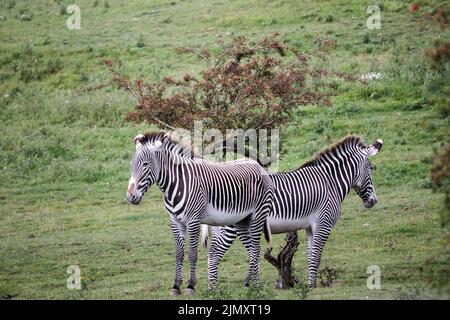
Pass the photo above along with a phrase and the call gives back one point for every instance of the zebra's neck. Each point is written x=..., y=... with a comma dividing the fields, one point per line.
x=166, y=167
x=339, y=168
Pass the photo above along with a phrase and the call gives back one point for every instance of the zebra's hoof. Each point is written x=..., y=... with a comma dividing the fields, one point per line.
x=190, y=291
x=175, y=292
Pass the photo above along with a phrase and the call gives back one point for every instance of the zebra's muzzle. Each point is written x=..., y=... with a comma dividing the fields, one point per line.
x=132, y=199
x=132, y=196
x=370, y=202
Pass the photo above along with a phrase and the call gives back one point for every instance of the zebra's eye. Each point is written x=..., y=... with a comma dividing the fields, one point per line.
x=145, y=164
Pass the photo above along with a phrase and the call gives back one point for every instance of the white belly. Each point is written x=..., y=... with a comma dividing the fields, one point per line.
x=214, y=217
x=283, y=226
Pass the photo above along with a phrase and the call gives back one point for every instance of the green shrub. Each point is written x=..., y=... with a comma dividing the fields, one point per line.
x=11, y=4
x=140, y=43
x=323, y=125
x=443, y=109
x=62, y=9
x=218, y=293
x=366, y=38
x=53, y=66
x=302, y=289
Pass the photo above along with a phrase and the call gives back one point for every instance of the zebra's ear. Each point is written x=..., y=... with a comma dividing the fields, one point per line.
x=138, y=139
x=374, y=148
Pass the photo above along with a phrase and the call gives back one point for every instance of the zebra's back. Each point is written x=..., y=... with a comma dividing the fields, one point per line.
x=235, y=188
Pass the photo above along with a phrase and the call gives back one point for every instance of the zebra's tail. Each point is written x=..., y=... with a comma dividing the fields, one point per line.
x=267, y=233
x=204, y=234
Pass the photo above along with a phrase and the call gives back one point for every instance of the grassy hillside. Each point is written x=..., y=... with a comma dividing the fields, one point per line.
x=65, y=154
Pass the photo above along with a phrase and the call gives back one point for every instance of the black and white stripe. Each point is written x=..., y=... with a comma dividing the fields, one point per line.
x=197, y=192
x=310, y=198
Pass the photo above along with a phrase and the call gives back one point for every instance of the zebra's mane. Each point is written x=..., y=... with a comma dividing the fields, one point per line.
x=348, y=142
x=170, y=143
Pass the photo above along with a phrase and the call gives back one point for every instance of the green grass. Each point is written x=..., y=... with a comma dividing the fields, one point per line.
x=65, y=155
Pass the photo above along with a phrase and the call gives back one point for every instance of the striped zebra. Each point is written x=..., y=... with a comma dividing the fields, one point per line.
x=197, y=192
x=310, y=198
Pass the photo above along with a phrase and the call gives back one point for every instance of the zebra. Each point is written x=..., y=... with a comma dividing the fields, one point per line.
x=198, y=192
x=310, y=198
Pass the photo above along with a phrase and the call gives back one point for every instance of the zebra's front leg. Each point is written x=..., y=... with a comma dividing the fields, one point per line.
x=320, y=236
x=222, y=239
x=193, y=233
x=178, y=231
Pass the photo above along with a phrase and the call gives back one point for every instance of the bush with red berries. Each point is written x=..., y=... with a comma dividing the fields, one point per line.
x=259, y=86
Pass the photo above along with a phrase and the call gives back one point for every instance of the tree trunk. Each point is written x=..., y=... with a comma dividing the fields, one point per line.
x=283, y=262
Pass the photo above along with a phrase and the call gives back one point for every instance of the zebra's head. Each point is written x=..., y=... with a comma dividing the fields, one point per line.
x=143, y=173
x=363, y=183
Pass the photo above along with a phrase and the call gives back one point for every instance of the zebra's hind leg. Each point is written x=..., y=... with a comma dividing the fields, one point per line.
x=255, y=252
x=247, y=245
x=245, y=239
x=178, y=231
x=250, y=240
x=193, y=233
x=223, y=238
x=309, y=244
x=320, y=236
